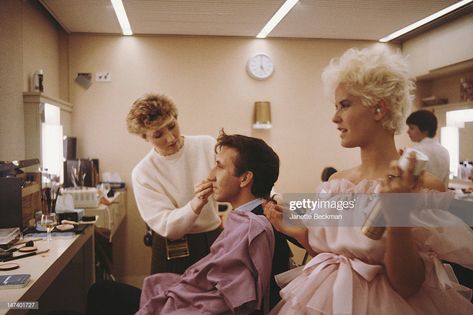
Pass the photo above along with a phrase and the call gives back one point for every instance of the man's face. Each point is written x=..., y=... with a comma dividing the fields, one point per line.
x=226, y=185
x=415, y=134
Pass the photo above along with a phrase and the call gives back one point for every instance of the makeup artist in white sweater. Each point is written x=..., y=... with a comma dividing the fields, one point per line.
x=171, y=187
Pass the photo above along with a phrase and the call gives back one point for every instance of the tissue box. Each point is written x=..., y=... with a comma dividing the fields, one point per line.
x=84, y=198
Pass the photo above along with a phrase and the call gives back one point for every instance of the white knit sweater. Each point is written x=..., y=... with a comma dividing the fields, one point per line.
x=164, y=186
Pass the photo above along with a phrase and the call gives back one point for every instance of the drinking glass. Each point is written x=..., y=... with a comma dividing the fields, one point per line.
x=75, y=176
x=48, y=221
x=78, y=175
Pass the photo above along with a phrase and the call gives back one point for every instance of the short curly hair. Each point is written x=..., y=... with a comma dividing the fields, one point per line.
x=374, y=74
x=150, y=111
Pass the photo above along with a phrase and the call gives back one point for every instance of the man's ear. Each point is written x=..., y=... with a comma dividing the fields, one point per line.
x=380, y=110
x=425, y=133
x=246, y=179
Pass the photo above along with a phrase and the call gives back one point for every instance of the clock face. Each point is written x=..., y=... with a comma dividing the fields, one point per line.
x=260, y=66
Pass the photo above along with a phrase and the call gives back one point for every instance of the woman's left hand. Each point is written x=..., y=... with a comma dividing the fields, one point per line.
x=402, y=181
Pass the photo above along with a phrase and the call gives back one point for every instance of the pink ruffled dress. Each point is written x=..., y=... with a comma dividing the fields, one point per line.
x=348, y=276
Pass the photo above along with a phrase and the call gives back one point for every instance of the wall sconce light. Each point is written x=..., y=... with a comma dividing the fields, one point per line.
x=84, y=80
x=262, y=115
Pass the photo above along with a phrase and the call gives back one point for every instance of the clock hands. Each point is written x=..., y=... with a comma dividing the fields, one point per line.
x=260, y=66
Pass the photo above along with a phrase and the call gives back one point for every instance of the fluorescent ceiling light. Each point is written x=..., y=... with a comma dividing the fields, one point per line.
x=277, y=17
x=425, y=20
x=121, y=16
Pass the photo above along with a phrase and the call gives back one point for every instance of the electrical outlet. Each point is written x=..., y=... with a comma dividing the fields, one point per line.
x=103, y=77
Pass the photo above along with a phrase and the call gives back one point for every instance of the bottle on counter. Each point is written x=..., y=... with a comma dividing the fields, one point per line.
x=469, y=170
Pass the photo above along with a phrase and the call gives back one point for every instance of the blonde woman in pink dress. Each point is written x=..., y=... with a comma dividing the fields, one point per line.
x=401, y=273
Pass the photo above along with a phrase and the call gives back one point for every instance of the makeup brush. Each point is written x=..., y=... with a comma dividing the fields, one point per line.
x=26, y=255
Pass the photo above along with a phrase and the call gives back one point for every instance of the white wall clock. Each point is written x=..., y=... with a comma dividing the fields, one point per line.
x=260, y=66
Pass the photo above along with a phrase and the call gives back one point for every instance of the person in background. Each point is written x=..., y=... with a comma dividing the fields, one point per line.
x=402, y=272
x=422, y=129
x=327, y=172
x=170, y=186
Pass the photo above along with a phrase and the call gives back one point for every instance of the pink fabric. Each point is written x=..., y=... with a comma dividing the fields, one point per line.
x=234, y=277
x=348, y=276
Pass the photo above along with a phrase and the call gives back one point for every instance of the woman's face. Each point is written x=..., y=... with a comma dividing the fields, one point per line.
x=166, y=139
x=354, y=120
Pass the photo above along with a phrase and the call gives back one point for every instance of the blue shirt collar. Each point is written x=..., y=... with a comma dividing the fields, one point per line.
x=249, y=205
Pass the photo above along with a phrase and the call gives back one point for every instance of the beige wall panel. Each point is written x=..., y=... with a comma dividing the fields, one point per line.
x=40, y=50
x=12, y=142
x=443, y=46
x=29, y=40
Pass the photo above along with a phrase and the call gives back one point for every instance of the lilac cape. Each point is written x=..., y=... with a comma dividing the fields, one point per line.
x=232, y=278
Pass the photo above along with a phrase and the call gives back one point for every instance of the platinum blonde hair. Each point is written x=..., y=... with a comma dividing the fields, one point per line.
x=373, y=74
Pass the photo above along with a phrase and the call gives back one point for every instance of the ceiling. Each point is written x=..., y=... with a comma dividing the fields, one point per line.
x=338, y=19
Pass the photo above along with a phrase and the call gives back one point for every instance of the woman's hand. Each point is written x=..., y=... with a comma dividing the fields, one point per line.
x=402, y=181
x=404, y=267
x=274, y=213
x=202, y=192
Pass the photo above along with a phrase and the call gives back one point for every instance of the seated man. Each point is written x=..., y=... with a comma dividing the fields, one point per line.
x=234, y=276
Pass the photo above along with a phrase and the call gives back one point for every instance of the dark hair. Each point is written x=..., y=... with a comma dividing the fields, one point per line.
x=425, y=120
x=327, y=172
x=256, y=156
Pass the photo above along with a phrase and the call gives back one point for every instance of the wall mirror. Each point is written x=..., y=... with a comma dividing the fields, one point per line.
x=457, y=135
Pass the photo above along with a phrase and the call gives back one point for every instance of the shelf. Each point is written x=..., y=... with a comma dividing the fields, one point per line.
x=37, y=97
x=442, y=87
x=452, y=106
x=30, y=189
x=460, y=67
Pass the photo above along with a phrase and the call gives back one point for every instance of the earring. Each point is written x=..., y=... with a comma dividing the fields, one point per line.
x=378, y=110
